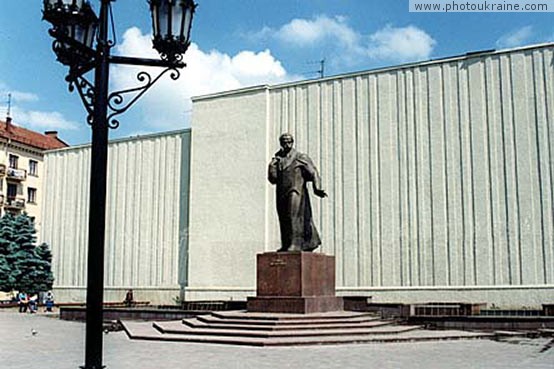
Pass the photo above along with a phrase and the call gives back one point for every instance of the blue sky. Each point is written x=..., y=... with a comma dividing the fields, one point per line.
x=237, y=43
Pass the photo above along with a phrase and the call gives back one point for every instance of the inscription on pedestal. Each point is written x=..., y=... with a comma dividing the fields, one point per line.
x=278, y=262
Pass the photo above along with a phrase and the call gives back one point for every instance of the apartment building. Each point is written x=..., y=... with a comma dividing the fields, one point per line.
x=21, y=169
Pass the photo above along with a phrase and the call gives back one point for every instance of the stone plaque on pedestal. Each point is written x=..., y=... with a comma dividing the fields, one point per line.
x=295, y=282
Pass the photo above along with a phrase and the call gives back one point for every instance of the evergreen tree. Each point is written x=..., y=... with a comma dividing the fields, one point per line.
x=7, y=246
x=23, y=266
x=43, y=269
x=25, y=260
x=7, y=233
x=6, y=280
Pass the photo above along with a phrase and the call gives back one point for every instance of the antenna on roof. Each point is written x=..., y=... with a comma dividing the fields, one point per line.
x=8, y=115
x=321, y=70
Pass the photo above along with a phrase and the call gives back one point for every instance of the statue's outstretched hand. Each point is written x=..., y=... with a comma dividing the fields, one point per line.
x=320, y=193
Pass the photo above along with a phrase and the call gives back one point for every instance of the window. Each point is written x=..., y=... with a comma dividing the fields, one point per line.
x=33, y=167
x=32, y=195
x=12, y=190
x=13, y=161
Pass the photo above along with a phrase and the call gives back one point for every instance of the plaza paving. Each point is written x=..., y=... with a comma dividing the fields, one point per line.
x=60, y=345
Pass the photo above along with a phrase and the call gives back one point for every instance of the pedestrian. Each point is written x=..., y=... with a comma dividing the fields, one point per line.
x=129, y=300
x=49, y=301
x=22, y=301
x=33, y=304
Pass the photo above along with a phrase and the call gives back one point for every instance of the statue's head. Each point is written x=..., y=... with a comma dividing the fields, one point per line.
x=286, y=140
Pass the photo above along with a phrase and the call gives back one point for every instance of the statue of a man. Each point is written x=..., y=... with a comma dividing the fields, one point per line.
x=291, y=171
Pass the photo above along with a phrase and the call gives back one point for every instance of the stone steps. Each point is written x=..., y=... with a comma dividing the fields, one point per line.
x=286, y=321
x=176, y=327
x=258, y=329
x=201, y=323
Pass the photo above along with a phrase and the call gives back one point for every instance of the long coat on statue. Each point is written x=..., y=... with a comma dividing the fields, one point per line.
x=291, y=172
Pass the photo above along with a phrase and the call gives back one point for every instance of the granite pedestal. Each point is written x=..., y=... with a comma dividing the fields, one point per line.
x=295, y=282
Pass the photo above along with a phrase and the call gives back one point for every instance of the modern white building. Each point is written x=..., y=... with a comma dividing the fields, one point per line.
x=439, y=175
x=146, y=218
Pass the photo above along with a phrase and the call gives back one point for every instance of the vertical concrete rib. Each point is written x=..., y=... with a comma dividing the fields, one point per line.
x=431, y=219
x=548, y=98
x=409, y=241
x=416, y=121
x=379, y=199
x=340, y=117
x=488, y=102
x=516, y=174
x=445, y=174
x=472, y=181
x=370, y=96
x=400, y=148
x=503, y=120
x=359, y=213
x=462, y=171
x=539, y=171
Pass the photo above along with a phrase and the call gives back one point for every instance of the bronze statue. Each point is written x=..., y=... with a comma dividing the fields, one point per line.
x=291, y=171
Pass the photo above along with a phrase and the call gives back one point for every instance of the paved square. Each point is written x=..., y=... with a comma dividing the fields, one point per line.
x=60, y=344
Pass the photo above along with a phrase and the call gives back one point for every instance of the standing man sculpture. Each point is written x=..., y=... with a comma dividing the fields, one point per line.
x=291, y=171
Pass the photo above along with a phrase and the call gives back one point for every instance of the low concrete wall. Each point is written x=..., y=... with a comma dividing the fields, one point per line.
x=156, y=295
x=506, y=297
x=485, y=322
x=79, y=313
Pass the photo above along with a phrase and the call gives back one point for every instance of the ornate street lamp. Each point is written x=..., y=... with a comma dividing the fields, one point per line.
x=74, y=38
x=75, y=28
x=171, y=23
x=60, y=12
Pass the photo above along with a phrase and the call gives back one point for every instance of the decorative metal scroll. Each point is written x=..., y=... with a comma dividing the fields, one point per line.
x=120, y=101
x=172, y=57
x=86, y=93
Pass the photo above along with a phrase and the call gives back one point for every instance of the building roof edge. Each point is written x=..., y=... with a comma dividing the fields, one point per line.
x=466, y=56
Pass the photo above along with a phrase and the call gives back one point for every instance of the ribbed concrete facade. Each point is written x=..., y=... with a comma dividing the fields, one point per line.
x=439, y=175
x=146, y=220
x=440, y=179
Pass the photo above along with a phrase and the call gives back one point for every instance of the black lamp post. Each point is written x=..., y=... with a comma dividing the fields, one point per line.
x=75, y=28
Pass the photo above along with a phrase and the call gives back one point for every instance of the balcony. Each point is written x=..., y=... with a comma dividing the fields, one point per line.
x=15, y=203
x=2, y=170
x=16, y=174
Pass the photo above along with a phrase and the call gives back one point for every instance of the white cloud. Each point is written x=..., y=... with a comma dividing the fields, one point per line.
x=16, y=96
x=400, y=44
x=167, y=105
x=42, y=120
x=348, y=46
x=33, y=119
x=309, y=31
x=257, y=36
x=515, y=38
